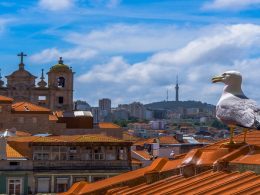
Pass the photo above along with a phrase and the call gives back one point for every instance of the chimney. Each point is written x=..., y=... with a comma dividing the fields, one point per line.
x=179, y=137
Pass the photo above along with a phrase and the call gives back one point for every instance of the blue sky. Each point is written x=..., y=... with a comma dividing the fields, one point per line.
x=132, y=50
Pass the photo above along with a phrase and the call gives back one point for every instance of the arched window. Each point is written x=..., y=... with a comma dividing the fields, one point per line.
x=61, y=82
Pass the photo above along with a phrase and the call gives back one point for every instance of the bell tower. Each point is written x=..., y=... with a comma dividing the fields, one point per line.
x=60, y=83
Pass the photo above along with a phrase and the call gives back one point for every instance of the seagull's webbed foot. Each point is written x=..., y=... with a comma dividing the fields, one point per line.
x=232, y=128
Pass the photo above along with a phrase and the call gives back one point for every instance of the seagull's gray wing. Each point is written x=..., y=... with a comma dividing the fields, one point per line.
x=237, y=110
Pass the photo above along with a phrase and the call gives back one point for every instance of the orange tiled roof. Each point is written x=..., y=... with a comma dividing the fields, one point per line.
x=128, y=137
x=162, y=140
x=157, y=165
x=205, y=183
x=53, y=117
x=12, y=153
x=28, y=107
x=208, y=156
x=6, y=99
x=142, y=153
x=106, y=125
x=68, y=139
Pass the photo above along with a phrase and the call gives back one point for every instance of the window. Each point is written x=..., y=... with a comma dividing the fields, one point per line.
x=15, y=186
x=98, y=153
x=61, y=82
x=62, y=184
x=14, y=163
x=60, y=100
x=43, y=185
x=41, y=156
x=34, y=120
x=42, y=98
x=20, y=119
x=97, y=178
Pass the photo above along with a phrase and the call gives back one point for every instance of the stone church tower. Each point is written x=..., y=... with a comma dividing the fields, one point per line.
x=57, y=95
x=60, y=82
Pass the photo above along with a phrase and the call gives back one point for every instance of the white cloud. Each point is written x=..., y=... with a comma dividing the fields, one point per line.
x=56, y=5
x=113, y=3
x=53, y=54
x=133, y=38
x=227, y=47
x=231, y=4
x=4, y=22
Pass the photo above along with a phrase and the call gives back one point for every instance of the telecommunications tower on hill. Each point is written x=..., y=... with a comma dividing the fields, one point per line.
x=177, y=89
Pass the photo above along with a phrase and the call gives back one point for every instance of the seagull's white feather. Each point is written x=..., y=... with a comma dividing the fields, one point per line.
x=233, y=107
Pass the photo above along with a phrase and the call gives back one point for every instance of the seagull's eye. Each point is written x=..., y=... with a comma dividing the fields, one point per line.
x=224, y=74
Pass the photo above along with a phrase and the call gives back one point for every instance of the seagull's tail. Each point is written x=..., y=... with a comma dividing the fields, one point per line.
x=257, y=125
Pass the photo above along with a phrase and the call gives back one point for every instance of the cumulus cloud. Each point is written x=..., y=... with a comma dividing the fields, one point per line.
x=52, y=54
x=231, y=4
x=132, y=38
x=57, y=5
x=227, y=47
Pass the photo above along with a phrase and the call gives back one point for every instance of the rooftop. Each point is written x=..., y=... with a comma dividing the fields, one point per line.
x=28, y=107
x=218, y=156
x=5, y=99
x=107, y=125
x=209, y=182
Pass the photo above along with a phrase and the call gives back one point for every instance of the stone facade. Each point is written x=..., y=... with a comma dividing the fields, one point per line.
x=56, y=95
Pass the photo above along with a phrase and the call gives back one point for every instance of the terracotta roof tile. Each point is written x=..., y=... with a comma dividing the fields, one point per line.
x=142, y=153
x=106, y=125
x=162, y=140
x=12, y=153
x=53, y=117
x=69, y=138
x=206, y=183
x=6, y=99
x=28, y=107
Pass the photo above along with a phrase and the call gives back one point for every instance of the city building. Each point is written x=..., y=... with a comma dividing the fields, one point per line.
x=56, y=95
x=50, y=164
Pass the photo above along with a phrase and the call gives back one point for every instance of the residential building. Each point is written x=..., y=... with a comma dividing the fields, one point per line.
x=35, y=164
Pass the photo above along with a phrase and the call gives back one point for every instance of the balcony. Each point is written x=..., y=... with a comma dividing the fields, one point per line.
x=81, y=165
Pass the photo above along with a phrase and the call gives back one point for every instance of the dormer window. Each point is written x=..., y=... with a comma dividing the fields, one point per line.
x=61, y=82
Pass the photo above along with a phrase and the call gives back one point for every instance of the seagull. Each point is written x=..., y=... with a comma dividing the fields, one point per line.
x=234, y=108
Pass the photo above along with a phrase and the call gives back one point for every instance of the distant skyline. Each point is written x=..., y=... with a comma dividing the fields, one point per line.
x=132, y=50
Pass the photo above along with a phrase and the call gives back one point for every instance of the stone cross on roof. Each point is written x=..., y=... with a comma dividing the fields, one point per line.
x=21, y=65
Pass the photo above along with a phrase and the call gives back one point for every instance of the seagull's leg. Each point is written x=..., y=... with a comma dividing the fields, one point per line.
x=245, y=132
x=232, y=127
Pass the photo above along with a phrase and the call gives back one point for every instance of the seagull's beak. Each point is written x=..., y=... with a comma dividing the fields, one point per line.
x=217, y=79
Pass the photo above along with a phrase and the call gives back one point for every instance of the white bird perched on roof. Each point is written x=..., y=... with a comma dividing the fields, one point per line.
x=233, y=107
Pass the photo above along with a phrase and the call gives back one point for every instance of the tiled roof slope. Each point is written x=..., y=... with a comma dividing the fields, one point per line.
x=205, y=183
x=5, y=99
x=28, y=107
x=68, y=139
x=162, y=140
x=11, y=153
x=129, y=178
x=142, y=153
x=107, y=125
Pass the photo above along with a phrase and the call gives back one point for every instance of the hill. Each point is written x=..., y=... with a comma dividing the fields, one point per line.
x=173, y=105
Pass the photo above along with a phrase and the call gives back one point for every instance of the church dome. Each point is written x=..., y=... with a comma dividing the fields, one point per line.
x=21, y=73
x=60, y=66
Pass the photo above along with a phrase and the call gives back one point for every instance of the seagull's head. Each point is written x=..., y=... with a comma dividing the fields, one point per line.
x=229, y=78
